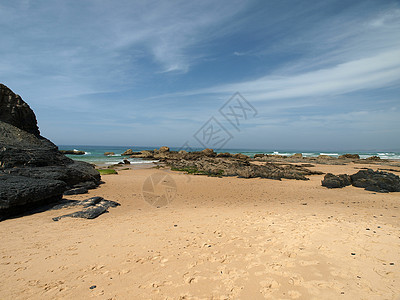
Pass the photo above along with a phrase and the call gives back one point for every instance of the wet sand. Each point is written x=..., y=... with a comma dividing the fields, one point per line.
x=218, y=238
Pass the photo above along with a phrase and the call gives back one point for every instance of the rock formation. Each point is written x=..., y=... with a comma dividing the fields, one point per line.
x=32, y=170
x=336, y=181
x=381, y=182
x=239, y=167
x=370, y=180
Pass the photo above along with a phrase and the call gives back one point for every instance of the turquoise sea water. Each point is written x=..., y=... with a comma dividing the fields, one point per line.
x=95, y=154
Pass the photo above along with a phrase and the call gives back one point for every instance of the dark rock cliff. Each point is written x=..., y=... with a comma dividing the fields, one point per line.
x=32, y=170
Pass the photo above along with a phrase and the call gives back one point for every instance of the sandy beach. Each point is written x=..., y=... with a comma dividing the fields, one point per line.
x=218, y=238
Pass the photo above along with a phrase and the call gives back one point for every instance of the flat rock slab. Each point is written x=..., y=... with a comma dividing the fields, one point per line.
x=94, y=207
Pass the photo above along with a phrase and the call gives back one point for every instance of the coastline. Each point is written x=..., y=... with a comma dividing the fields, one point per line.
x=220, y=237
x=95, y=154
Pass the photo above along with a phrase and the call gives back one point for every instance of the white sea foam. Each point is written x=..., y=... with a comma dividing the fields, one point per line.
x=330, y=154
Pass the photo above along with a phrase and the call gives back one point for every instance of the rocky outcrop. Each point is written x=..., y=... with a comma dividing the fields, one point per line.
x=336, y=181
x=297, y=155
x=370, y=180
x=381, y=182
x=241, y=168
x=32, y=169
x=14, y=111
x=109, y=153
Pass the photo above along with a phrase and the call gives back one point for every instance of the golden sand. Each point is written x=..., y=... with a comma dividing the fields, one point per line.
x=219, y=238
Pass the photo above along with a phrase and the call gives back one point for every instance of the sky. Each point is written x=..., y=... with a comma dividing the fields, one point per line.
x=307, y=75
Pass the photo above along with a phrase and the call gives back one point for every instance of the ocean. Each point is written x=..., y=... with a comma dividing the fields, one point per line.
x=95, y=154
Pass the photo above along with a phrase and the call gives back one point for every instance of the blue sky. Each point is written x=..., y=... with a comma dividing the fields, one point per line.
x=322, y=75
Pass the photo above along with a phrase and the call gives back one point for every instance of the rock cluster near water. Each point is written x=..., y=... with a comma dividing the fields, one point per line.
x=370, y=180
x=32, y=170
x=207, y=162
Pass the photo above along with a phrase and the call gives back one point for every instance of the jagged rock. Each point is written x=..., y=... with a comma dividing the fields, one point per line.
x=382, y=182
x=26, y=156
x=126, y=162
x=350, y=156
x=297, y=155
x=336, y=181
x=14, y=111
x=127, y=152
x=95, y=206
x=259, y=155
x=18, y=193
x=163, y=149
x=72, y=152
x=109, y=153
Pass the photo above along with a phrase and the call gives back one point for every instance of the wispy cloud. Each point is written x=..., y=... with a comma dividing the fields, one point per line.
x=171, y=64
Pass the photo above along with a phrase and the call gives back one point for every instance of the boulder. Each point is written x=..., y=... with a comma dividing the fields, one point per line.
x=32, y=169
x=381, y=182
x=127, y=152
x=259, y=155
x=297, y=155
x=336, y=181
x=109, y=153
x=349, y=156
